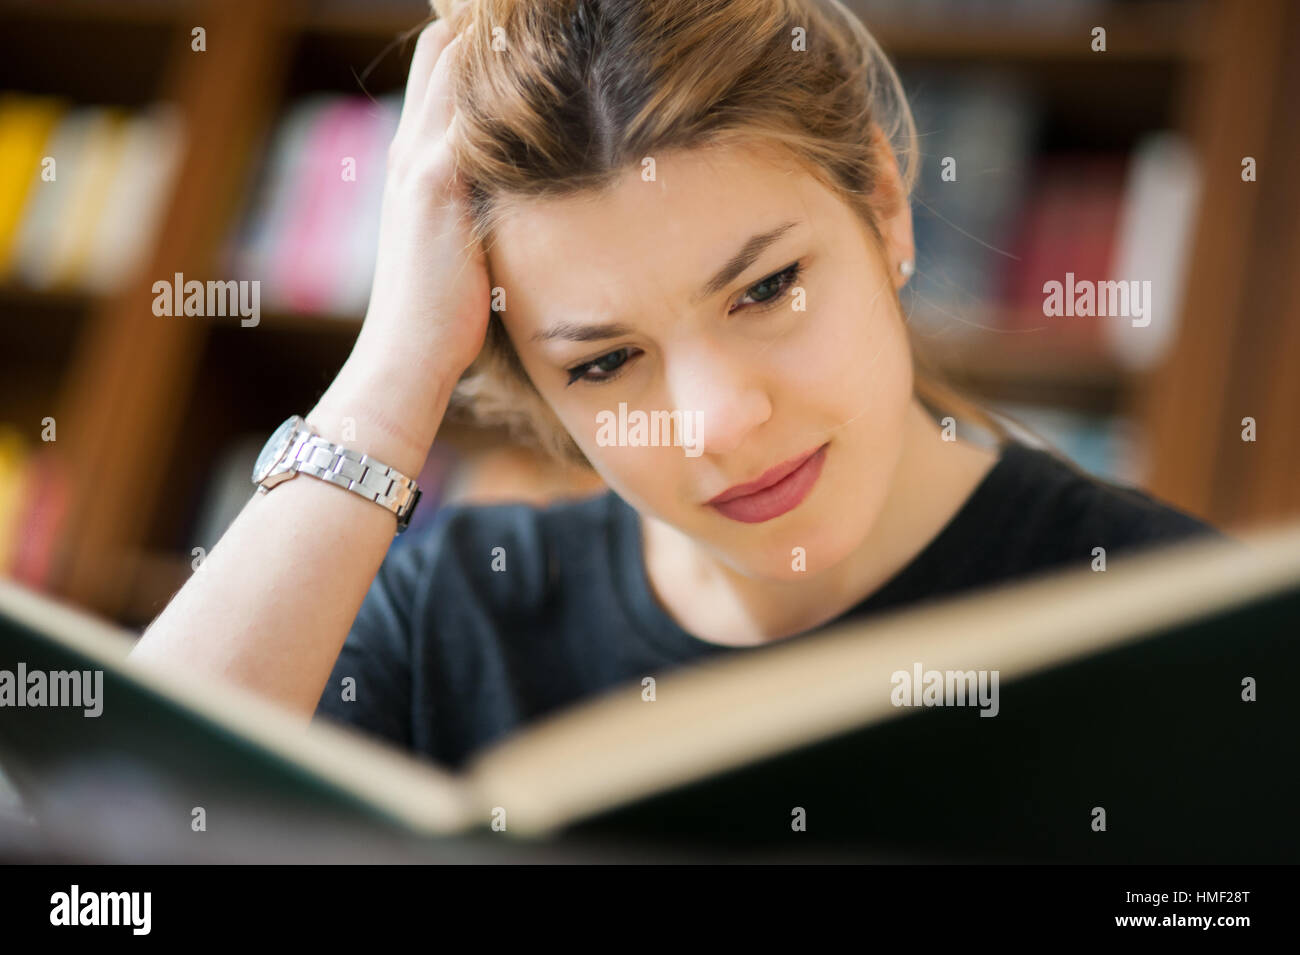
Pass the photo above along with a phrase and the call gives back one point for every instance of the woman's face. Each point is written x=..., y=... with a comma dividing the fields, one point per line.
x=678, y=294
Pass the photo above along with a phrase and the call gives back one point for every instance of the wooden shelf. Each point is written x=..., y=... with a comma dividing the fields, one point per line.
x=14, y=296
x=1161, y=31
x=46, y=47
x=1027, y=370
x=1158, y=32
x=380, y=19
x=59, y=13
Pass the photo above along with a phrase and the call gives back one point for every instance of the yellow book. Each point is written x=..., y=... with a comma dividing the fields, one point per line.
x=13, y=455
x=25, y=126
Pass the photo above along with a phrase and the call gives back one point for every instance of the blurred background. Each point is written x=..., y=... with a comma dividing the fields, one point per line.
x=207, y=139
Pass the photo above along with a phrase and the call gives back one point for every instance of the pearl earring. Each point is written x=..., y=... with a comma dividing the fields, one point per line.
x=906, y=267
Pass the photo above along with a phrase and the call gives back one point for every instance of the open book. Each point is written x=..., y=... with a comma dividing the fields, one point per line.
x=1142, y=713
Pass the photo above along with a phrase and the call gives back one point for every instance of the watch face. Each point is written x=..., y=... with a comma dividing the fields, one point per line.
x=274, y=449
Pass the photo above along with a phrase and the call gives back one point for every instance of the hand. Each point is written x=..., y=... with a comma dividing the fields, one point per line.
x=429, y=303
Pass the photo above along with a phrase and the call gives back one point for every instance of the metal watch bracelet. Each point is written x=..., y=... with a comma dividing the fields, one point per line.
x=309, y=453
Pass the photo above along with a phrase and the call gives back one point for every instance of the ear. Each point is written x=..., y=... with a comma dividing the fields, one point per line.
x=893, y=211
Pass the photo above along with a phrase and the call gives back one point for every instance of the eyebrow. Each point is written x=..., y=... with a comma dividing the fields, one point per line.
x=748, y=254
x=743, y=259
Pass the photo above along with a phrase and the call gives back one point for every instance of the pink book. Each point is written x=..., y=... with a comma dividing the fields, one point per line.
x=310, y=266
x=41, y=516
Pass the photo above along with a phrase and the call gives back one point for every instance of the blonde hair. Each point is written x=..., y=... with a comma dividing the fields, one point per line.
x=582, y=89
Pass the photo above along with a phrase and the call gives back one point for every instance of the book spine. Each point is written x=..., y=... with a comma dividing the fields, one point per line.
x=381, y=120
x=13, y=454
x=130, y=218
x=44, y=512
x=257, y=244
x=302, y=259
x=91, y=188
x=26, y=126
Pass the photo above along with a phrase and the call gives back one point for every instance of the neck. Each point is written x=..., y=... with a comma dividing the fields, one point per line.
x=931, y=482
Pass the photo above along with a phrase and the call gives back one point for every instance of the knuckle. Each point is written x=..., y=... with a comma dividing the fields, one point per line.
x=432, y=35
x=396, y=152
x=426, y=168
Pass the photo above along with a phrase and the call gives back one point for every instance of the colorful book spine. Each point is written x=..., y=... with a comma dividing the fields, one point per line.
x=361, y=242
x=976, y=137
x=61, y=247
x=310, y=262
x=13, y=454
x=1066, y=236
x=131, y=215
x=42, y=517
x=1153, y=243
x=312, y=230
x=26, y=124
x=276, y=199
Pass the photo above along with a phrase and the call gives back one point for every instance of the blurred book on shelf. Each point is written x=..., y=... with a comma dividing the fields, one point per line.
x=12, y=487
x=998, y=219
x=1153, y=242
x=33, y=503
x=1103, y=445
x=1065, y=234
x=82, y=190
x=976, y=133
x=25, y=126
x=311, y=231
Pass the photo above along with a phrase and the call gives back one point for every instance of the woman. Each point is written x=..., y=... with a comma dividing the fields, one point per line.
x=698, y=210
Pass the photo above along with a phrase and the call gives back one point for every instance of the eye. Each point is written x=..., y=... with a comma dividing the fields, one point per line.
x=772, y=289
x=608, y=366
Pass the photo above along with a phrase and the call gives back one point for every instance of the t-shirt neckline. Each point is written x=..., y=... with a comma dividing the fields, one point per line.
x=656, y=627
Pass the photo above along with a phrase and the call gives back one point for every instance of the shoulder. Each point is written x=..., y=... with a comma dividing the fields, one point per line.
x=1054, y=505
x=507, y=554
x=437, y=632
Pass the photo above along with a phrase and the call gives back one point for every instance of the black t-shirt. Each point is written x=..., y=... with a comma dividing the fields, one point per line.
x=495, y=615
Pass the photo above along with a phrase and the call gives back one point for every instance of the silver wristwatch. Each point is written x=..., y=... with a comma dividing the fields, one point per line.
x=296, y=447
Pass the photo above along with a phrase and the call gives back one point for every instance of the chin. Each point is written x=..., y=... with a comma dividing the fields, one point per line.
x=824, y=536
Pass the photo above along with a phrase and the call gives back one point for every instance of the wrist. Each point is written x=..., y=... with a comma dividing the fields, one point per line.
x=369, y=432
x=396, y=426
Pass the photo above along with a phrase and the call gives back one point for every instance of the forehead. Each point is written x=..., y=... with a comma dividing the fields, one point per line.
x=597, y=250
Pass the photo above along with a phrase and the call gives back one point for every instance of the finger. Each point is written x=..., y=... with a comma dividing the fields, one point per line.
x=430, y=43
x=450, y=134
x=439, y=104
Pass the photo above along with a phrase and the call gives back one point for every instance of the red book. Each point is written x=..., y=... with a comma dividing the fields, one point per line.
x=42, y=516
x=1066, y=236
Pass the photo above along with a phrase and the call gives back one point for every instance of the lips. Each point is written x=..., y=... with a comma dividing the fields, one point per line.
x=776, y=491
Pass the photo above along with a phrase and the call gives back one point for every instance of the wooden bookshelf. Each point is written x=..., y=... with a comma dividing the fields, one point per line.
x=129, y=390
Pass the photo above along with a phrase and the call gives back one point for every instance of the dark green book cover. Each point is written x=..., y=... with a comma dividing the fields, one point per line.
x=1155, y=733
x=1137, y=743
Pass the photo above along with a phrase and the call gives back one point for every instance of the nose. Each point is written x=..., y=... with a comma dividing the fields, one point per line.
x=720, y=388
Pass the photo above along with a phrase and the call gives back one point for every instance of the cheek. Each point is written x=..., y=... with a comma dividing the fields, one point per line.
x=617, y=466
x=850, y=353
x=643, y=477
x=640, y=475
